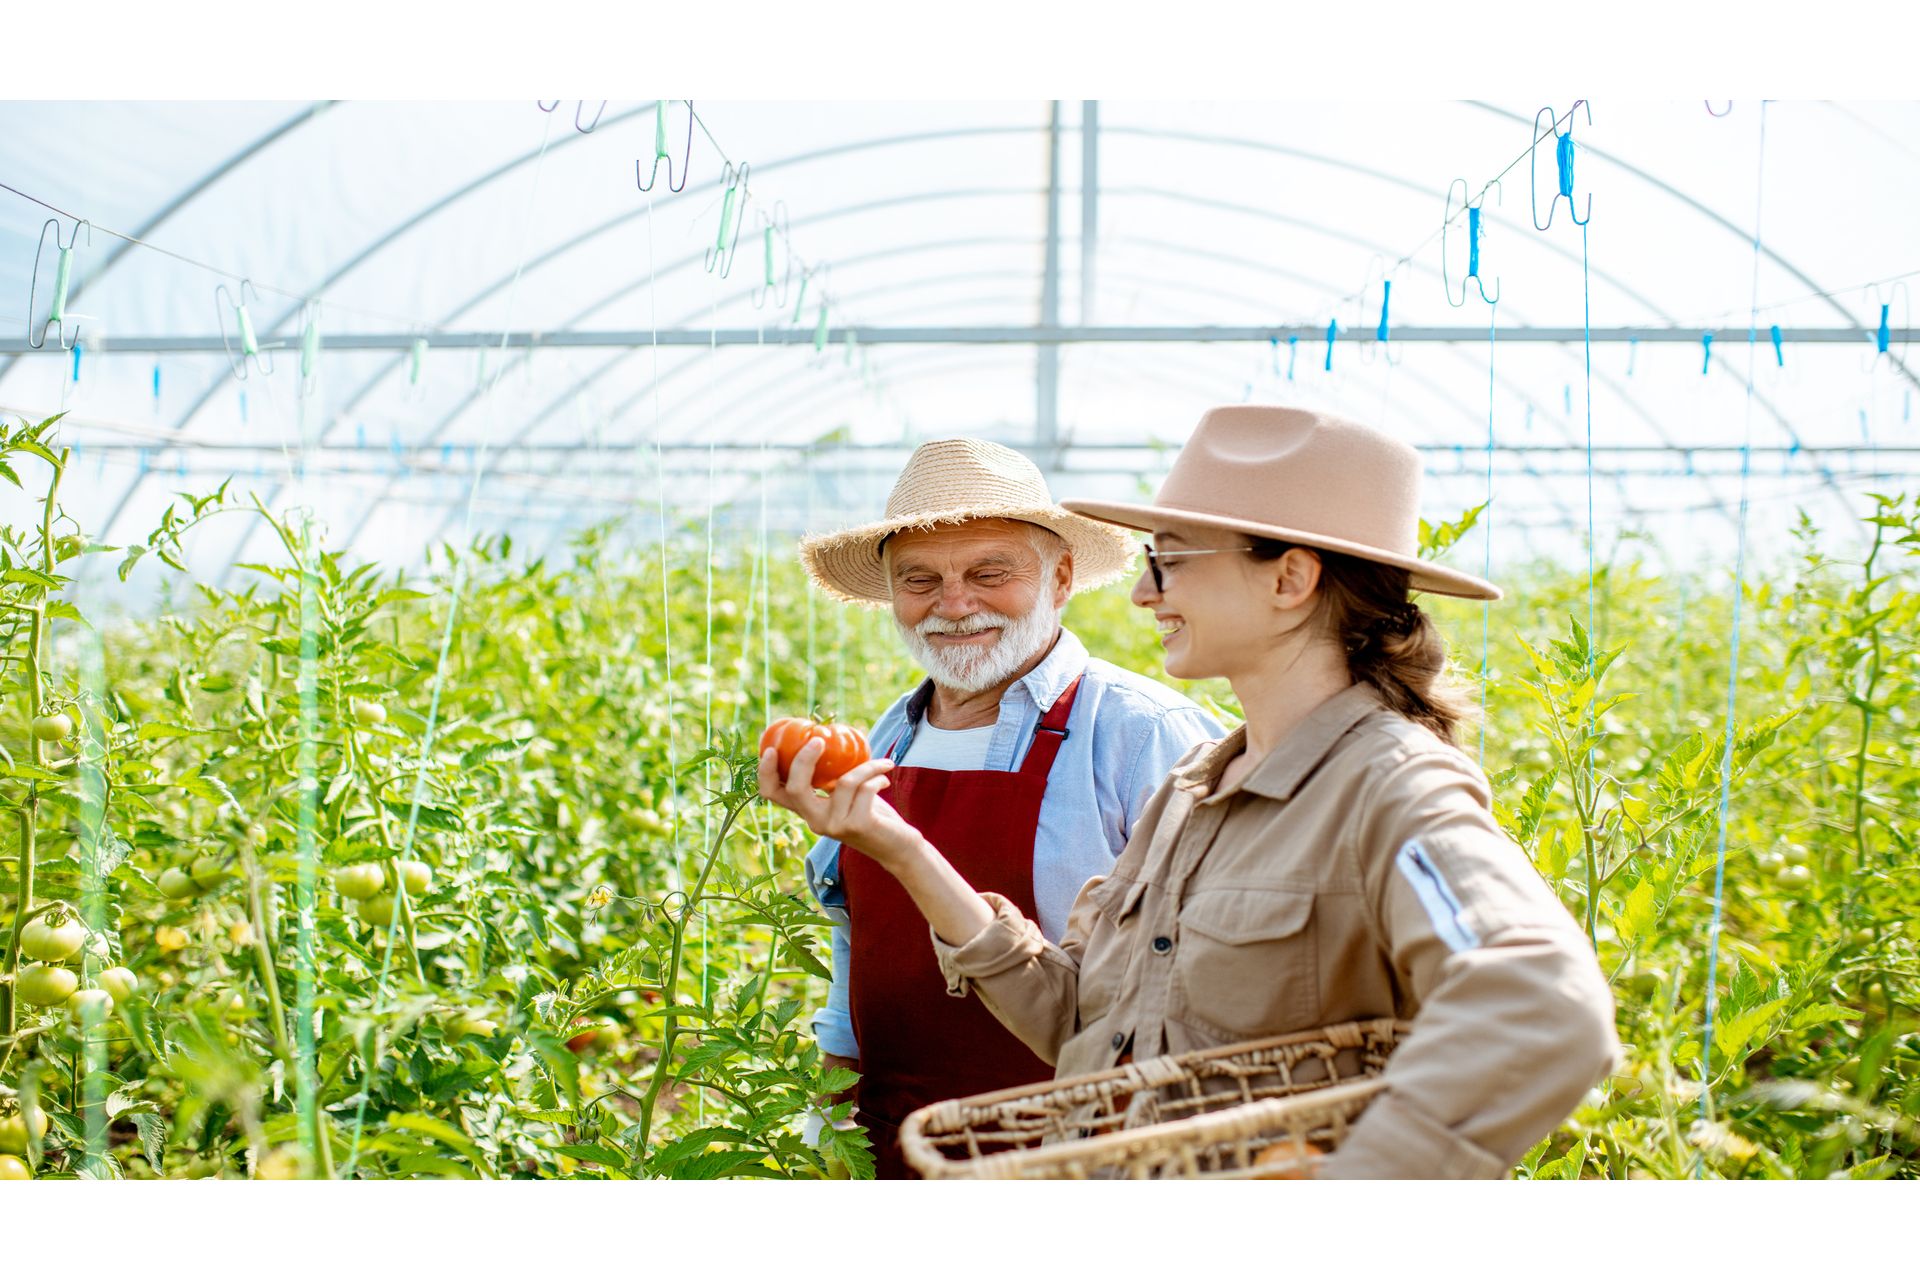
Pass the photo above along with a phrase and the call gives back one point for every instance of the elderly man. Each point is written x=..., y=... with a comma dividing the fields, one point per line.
x=1023, y=759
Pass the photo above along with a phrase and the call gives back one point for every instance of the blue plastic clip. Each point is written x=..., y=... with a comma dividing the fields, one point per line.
x=142, y=459
x=1293, y=353
x=1563, y=151
x=1906, y=406
x=156, y=382
x=76, y=360
x=1865, y=432
x=359, y=435
x=1566, y=398
x=243, y=406
x=1883, y=334
x=1474, y=231
x=1779, y=353
x=1333, y=331
x=1386, y=299
x=1706, y=352
x=1633, y=351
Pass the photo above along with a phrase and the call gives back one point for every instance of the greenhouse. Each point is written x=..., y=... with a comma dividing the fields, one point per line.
x=417, y=511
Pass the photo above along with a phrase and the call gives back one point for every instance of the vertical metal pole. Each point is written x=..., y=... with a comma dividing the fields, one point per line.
x=1047, y=370
x=1089, y=204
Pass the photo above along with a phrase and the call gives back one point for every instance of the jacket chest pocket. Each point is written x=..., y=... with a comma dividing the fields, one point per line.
x=1247, y=962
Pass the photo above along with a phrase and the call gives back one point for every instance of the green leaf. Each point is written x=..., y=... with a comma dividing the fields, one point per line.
x=1731, y=1036
x=428, y=817
x=153, y=1137
x=1638, y=915
x=1816, y=1014
x=595, y=1154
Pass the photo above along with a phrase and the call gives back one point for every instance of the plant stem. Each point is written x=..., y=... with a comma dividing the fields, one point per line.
x=30, y=811
x=671, y=1032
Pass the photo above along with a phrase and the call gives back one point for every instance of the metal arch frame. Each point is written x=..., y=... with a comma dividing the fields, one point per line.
x=1713, y=216
x=185, y=197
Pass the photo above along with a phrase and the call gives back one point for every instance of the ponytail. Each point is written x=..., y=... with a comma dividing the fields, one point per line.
x=1390, y=642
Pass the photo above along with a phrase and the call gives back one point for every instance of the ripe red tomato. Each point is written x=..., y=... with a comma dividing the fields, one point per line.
x=846, y=747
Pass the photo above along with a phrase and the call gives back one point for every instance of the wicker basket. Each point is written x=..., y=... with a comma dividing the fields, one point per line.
x=1251, y=1110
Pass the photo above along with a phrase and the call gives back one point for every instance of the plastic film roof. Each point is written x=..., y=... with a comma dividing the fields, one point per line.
x=926, y=228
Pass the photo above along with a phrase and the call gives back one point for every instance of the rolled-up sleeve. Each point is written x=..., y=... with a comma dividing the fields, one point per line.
x=1514, y=1021
x=1028, y=983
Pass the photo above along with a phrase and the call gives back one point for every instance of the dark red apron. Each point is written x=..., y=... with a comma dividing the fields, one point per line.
x=918, y=1044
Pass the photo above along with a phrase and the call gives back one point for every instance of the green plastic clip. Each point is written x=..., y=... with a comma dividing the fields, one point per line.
x=769, y=243
x=62, y=278
x=310, y=345
x=249, y=344
x=415, y=359
x=820, y=331
x=801, y=301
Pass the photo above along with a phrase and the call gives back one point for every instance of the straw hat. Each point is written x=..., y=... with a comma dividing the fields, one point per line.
x=949, y=482
x=1304, y=477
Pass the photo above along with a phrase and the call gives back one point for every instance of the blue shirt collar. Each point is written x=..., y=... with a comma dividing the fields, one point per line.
x=1043, y=684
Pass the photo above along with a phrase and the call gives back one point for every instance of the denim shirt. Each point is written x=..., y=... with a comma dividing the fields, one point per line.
x=1125, y=732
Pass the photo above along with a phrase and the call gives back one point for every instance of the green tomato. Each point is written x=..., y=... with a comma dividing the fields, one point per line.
x=360, y=881
x=377, y=910
x=119, y=983
x=14, y=1169
x=41, y=940
x=175, y=883
x=256, y=834
x=367, y=712
x=1796, y=855
x=45, y=985
x=1791, y=877
x=15, y=1128
x=418, y=875
x=464, y=1023
x=1863, y=937
x=53, y=728
x=210, y=871
x=90, y=1007
x=1771, y=863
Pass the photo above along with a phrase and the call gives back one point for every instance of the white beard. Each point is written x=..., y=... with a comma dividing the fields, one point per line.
x=971, y=670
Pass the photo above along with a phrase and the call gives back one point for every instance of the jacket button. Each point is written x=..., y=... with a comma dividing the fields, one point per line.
x=1163, y=944
x=1119, y=1038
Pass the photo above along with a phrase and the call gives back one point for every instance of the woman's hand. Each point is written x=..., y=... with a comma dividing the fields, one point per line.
x=851, y=813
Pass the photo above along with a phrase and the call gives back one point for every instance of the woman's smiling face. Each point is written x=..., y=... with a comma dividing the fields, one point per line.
x=1221, y=612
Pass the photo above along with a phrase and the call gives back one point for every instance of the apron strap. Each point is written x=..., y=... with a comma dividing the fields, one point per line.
x=1051, y=733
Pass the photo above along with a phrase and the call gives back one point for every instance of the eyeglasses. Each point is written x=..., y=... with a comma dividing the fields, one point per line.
x=1155, y=557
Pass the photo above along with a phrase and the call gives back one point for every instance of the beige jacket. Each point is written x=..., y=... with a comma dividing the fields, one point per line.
x=1356, y=872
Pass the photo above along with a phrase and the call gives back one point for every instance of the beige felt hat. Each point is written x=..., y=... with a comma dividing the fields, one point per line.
x=949, y=482
x=1299, y=476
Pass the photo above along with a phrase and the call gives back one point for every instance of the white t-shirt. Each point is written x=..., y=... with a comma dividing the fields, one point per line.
x=933, y=748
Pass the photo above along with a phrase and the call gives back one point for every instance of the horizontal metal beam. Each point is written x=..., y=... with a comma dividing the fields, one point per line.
x=980, y=335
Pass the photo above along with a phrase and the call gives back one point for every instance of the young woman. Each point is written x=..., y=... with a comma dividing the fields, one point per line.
x=1333, y=859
